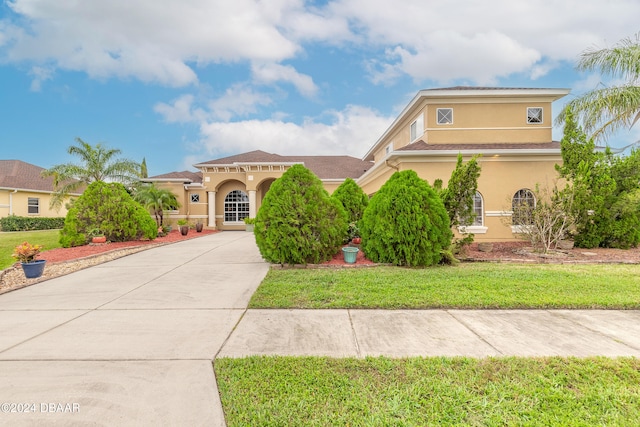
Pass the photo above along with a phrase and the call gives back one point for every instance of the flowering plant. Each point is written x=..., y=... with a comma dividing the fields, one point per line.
x=26, y=252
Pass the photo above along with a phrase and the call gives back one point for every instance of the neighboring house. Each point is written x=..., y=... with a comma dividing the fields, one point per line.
x=24, y=192
x=511, y=128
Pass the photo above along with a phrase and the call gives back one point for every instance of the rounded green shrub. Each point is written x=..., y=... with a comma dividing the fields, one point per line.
x=108, y=207
x=298, y=222
x=405, y=223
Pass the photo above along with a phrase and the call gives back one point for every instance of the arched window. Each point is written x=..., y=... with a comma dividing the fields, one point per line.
x=522, y=205
x=478, y=209
x=236, y=206
x=478, y=213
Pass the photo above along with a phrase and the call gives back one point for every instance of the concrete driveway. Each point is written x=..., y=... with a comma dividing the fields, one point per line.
x=129, y=342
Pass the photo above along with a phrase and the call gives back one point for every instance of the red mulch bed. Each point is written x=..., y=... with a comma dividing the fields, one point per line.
x=77, y=252
x=338, y=259
x=502, y=251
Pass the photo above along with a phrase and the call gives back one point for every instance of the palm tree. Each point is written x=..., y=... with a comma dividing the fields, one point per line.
x=96, y=164
x=156, y=199
x=605, y=110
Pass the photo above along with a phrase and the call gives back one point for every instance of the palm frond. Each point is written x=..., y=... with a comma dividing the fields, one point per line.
x=604, y=111
x=622, y=60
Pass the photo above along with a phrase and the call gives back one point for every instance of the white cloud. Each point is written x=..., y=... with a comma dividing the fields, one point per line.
x=238, y=100
x=151, y=41
x=40, y=75
x=348, y=132
x=180, y=111
x=270, y=73
x=166, y=41
x=480, y=41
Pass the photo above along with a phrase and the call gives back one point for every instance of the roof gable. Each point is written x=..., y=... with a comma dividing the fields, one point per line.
x=324, y=167
x=16, y=174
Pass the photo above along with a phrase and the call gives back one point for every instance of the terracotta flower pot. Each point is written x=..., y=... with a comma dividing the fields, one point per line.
x=99, y=239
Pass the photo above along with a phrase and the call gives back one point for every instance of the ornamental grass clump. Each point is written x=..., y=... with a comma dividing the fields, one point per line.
x=26, y=252
x=298, y=222
x=405, y=223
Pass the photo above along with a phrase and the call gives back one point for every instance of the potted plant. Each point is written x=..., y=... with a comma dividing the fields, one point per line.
x=97, y=236
x=354, y=233
x=27, y=253
x=199, y=226
x=249, y=223
x=183, y=225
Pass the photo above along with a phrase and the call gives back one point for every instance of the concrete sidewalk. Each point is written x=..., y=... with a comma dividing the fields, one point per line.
x=131, y=342
x=404, y=333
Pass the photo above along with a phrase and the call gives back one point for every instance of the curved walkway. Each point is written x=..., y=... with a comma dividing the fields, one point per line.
x=131, y=342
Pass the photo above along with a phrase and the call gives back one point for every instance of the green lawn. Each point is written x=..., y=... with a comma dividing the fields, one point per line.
x=470, y=285
x=8, y=241
x=315, y=391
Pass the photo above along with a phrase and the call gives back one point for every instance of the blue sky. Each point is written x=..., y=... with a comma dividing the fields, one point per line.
x=184, y=81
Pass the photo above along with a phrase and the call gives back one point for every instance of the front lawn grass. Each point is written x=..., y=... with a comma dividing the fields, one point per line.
x=316, y=391
x=9, y=240
x=467, y=286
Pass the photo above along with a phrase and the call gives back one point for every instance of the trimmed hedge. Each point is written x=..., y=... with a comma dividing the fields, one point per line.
x=23, y=223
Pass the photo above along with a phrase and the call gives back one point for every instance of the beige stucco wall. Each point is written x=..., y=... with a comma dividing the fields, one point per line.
x=17, y=203
x=477, y=120
x=222, y=182
x=488, y=123
x=500, y=178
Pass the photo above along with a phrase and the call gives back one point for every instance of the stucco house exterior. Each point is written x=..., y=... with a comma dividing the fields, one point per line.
x=227, y=190
x=24, y=192
x=511, y=128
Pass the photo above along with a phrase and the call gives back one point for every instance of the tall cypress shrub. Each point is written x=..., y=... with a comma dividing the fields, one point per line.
x=298, y=222
x=353, y=199
x=406, y=223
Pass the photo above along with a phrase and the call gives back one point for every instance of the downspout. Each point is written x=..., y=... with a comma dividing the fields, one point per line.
x=11, y=201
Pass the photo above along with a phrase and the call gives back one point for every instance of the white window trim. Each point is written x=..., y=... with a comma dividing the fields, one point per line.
x=541, y=116
x=438, y=116
x=419, y=123
x=472, y=229
x=191, y=200
x=37, y=205
x=519, y=229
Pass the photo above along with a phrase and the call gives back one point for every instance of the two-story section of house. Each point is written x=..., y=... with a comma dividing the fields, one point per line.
x=510, y=128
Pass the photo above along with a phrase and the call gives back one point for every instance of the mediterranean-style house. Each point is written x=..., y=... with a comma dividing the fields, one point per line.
x=510, y=128
x=24, y=192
